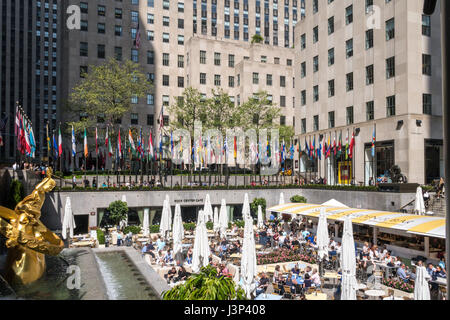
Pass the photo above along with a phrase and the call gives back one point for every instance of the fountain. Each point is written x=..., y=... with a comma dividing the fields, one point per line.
x=38, y=267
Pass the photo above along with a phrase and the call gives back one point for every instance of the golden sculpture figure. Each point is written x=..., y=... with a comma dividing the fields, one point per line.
x=28, y=240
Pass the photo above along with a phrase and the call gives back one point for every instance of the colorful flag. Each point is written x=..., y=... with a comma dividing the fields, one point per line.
x=340, y=144
x=334, y=145
x=346, y=146
x=137, y=42
x=85, y=144
x=119, y=146
x=352, y=145
x=150, y=146
x=55, y=146
x=131, y=141
x=235, y=147
x=373, y=141
x=48, y=142
x=74, y=145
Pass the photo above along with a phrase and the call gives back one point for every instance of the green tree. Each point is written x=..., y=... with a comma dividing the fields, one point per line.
x=258, y=202
x=257, y=38
x=298, y=199
x=206, y=286
x=117, y=211
x=189, y=108
x=257, y=112
x=105, y=93
x=220, y=110
x=286, y=134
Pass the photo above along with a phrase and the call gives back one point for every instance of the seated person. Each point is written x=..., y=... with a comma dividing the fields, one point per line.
x=189, y=256
x=277, y=274
x=262, y=285
x=160, y=244
x=430, y=269
x=388, y=260
x=182, y=274
x=296, y=270
x=401, y=273
x=332, y=252
x=147, y=249
x=291, y=282
x=168, y=257
x=438, y=273
x=295, y=242
x=315, y=278
x=308, y=270
x=170, y=276
x=307, y=282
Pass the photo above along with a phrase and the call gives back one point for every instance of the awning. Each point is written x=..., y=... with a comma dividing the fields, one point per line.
x=421, y=225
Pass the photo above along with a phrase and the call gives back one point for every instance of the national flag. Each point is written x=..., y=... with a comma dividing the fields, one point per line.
x=55, y=146
x=60, y=142
x=26, y=136
x=373, y=141
x=32, y=142
x=235, y=147
x=307, y=148
x=346, y=146
x=340, y=144
x=74, y=146
x=131, y=141
x=319, y=150
x=119, y=146
x=314, y=148
x=48, y=141
x=137, y=41
x=292, y=151
x=161, y=118
x=150, y=146
x=334, y=145
x=328, y=154
x=85, y=144
x=352, y=145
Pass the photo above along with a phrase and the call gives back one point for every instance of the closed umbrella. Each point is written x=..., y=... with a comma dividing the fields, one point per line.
x=201, y=251
x=280, y=203
x=177, y=233
x=164, y=226
x=216, y=226
x=169, y=209
x=207, y=209
x=68, y=220
x=348, y=262
x=246, y=207
x=146, y=223
x=223, y=219
x=260, y=218
x=248, y=260
x=322, y=235
x=421, y=289
x=419, y=207
x=124, y=222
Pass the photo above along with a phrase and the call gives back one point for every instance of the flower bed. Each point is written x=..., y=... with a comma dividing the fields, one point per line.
x=284, y=255
x=399, y=285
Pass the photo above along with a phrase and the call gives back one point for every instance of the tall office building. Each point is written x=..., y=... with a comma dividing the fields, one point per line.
x=371, y=68
x=202, y=44
x=29, y=67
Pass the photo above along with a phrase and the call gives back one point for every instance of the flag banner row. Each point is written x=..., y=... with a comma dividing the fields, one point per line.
x=23, y=131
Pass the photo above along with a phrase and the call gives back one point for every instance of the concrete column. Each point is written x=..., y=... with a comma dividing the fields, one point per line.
x=375, y=235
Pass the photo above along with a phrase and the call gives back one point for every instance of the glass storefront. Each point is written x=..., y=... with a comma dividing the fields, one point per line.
x=377, y=169
x=434, y=160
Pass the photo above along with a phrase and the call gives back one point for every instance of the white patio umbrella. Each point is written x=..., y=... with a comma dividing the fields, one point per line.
x=68, y=220
x=419, y=206
x=322, y=235
x=207, y=209
x=280, y=203
x=177, y=231
x=281, y=199
x=421, y=289
x=216, y=226
x=246, y=207
x=146, y=223
x=348, y=262
x=169, y=209
x=223, y=219
x=124, y=222
x=260, y=218
x=201, y=251
x=248, y=259
x=164, y=226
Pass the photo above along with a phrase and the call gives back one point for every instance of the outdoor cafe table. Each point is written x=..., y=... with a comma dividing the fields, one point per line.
x=314, y=296
x=334, y=276
x=264, y=296
x=387, y=269
x=374, y=293
x=393, y=298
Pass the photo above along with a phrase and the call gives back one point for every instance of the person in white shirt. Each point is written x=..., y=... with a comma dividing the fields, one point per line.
x=281, y=239
x=365, y=247
x=315, y=278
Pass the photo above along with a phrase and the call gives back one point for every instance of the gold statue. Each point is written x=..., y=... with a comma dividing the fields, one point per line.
x=28, y=240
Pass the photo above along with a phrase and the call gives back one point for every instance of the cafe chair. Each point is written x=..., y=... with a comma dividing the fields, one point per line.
x=288, y=292
x=276, y=288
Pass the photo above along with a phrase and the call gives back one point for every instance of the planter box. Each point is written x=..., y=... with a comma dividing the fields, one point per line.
x=398, y=187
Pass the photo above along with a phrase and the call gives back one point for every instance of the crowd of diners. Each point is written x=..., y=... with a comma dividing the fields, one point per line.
x=274, y=235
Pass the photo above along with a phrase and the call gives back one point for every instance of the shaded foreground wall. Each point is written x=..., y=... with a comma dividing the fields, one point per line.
x=87, y=203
